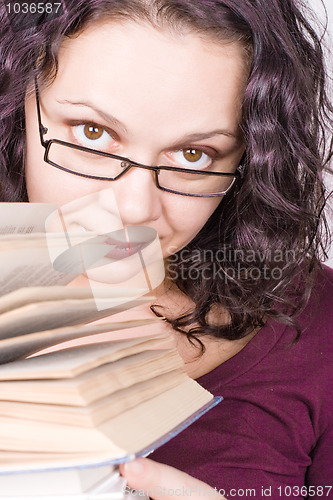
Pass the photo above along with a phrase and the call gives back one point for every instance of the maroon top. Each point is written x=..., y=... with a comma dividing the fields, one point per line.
x=274, y=428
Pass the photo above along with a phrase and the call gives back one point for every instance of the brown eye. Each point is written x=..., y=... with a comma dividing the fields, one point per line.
x=192, y=155
x=93, y=132
x=190, y=158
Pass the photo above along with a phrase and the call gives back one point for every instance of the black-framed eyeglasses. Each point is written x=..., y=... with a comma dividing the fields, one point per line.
x=99, y=165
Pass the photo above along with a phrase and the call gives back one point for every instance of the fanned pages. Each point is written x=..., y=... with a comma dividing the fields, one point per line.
x=19, y=347
x=78, y=397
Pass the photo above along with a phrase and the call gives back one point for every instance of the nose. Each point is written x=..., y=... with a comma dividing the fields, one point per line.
x=137, y=197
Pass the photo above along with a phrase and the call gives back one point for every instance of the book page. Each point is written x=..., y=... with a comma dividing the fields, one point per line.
x=48, y=315
x=52, y=483
x=32, y=294
x=15, y=348
x=24, y=218
x=68, y=363
x=98, y=411
x=58, y=256
x=28, y=267
x=126, y=434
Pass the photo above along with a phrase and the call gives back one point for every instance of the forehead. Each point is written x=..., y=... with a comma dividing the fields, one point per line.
x=134, y=70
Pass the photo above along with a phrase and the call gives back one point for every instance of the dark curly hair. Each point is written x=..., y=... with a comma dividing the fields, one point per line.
x=257, y=254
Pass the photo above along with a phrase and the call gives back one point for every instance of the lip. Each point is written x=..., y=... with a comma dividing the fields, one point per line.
x=129, y=241
x=113, y=246
x=125, y=250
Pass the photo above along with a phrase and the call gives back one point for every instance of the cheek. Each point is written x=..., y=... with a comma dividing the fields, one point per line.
x=45, y=183
x=188, y=218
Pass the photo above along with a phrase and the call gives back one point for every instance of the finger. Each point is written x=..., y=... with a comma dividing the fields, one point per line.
x=162, y=481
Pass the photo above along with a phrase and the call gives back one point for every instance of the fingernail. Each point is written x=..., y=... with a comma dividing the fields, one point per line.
x=134, y=468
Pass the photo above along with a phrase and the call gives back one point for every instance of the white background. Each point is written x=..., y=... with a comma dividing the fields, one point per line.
x=317, y=6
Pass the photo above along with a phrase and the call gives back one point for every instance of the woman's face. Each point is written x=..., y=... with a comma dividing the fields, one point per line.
x=151, y=96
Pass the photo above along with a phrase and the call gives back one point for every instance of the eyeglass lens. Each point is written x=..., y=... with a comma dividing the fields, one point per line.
x=93, y=164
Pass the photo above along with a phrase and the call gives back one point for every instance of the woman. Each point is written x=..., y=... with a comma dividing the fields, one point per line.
x=228, y=99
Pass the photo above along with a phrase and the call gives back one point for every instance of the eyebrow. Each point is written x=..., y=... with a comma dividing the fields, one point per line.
x=106, y=116
x=207, y=135
x=113, y=120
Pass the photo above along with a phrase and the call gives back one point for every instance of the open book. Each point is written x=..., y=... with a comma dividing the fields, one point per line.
x=68, y=417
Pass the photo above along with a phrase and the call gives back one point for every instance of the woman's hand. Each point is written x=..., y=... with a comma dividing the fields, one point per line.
x=160, y=481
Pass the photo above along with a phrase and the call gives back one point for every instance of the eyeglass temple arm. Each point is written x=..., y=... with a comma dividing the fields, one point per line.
x=42, y=129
